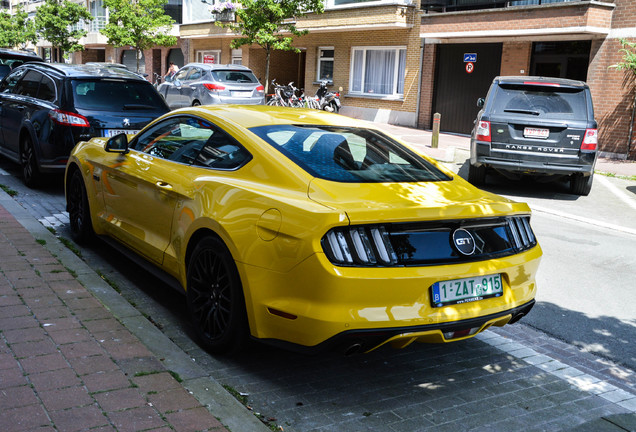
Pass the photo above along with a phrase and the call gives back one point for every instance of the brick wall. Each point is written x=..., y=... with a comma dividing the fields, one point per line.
x=428, y=79
x=515, y=58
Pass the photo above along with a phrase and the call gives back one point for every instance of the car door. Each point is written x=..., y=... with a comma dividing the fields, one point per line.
x=173, y=93
x=12, y=105
x=189, y=86
x=143, y=187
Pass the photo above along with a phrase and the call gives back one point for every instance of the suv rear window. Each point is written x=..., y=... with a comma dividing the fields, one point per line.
x=349, y=154
x=115, y=95
x=541, y=101
x=234, y=76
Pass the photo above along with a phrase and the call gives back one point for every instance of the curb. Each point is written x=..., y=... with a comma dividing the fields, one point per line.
x=196, y=381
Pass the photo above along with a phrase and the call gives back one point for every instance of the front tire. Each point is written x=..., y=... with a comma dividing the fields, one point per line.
x=78, y=209
x=215, y=297
x=30, y=171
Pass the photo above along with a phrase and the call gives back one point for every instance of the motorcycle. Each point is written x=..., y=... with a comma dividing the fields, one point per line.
x=328, y=101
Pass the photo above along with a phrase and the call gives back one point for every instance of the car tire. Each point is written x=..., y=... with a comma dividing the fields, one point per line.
x=79, y=214
x=477, y=174
x=581, y=185
x=28, y=161
x=215, y=297
x=196, y=103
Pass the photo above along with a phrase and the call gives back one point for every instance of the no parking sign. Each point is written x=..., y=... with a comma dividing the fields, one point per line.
x=470, y=67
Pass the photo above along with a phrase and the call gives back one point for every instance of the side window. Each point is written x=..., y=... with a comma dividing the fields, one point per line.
x=181, y=75
x=28, y=86
x=222, y=152
x=195, y=75
x=47, y=89
x=325, y=64
x=8, y=85
x=179, y=139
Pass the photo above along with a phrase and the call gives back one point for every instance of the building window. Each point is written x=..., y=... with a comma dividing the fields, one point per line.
x=378, y=71
x=237, y=56
x=209, y=56
x=325, y=64
x=100, y=17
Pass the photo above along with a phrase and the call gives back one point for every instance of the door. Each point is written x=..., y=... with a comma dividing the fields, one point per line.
x=174, y=97
x=464, y=74
x=18, y=106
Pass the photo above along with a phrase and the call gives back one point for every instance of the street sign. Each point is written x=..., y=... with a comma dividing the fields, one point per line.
x=470, y=57
x=470, y=67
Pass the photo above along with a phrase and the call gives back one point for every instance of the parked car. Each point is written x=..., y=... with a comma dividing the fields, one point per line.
x=45, y=109
x=210, y=84
x=536, y=126
x=11, y=59
x=346, y=239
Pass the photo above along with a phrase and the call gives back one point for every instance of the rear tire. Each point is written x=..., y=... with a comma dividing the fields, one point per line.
x=30, y=171
x=215, y=297
x=581, y=185
x=196, y=103
x=477, y=174
x=78, y=209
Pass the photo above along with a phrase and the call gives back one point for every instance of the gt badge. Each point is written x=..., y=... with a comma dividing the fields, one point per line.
x=464, y=242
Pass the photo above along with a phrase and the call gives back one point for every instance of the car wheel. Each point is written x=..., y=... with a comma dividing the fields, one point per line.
x=581, y=185
x=477, y=174
x=196, y=103
x=30, y=172
x=215, y=297
x=78, y=209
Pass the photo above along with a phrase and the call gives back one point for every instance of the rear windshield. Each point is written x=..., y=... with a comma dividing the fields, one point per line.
x=234, y=76
x=115, y=95
x=541, y=101
x=350, y=155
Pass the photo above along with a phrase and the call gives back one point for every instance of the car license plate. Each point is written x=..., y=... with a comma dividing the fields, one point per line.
x=112, y=132
x=466, y=290
x=536, y=133
x=240, y=94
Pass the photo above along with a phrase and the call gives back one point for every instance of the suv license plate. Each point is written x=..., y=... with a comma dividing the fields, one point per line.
x=466, y=290
x=536, y=133
x=112, y=132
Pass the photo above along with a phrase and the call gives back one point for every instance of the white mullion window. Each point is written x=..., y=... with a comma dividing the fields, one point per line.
x=325, y=64
x=378, y=71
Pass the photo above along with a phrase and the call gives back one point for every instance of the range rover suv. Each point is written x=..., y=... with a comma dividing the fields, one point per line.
x=535, y=126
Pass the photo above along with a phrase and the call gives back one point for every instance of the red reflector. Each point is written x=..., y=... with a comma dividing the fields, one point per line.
x=281, y=313
x=590, y=141
x=68, y=119
x=483, y=131
x=542, y=83
x=211, y=86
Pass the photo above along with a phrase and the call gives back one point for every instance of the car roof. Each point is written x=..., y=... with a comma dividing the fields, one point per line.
x=84, y=70
x=19, y=55
x=540, y=81
x=249, y=116
x=215, y=66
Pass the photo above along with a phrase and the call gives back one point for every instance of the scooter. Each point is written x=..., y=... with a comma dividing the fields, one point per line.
x=328, y=101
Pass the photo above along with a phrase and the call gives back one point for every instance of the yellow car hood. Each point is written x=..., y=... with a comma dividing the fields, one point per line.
x=397, y=202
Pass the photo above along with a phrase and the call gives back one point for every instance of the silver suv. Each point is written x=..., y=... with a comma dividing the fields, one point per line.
x=536, y=126
x=209, y=84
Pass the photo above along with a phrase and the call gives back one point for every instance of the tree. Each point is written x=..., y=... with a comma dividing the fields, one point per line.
x=57, y=22
x=269, y=24
x=16, y=30
x=628, y=65
x=140, y=24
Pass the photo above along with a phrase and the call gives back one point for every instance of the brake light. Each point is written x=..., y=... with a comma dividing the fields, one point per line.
x=483, y=131
x=65, y=118
x=542, y=83
x=213, y=87
x=260, y=89
x=590, y=140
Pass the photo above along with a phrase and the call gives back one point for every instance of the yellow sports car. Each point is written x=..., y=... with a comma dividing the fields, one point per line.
x=305, y=229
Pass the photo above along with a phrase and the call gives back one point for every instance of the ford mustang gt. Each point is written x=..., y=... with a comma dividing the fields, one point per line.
x=305, y=229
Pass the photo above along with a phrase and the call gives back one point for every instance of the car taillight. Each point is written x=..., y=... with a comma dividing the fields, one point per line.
x=590, y=140
x=68, y=119
x=260, y=89
x=483, y=131
x=359, y=246
x=213, y=87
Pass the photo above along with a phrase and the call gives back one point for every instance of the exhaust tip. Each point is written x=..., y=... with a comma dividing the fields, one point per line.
x=353, y=349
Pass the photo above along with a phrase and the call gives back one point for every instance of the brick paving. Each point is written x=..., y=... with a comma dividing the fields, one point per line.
x=67, y=364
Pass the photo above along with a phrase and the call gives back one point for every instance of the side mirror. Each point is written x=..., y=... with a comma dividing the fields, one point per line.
x=117, y=144
x=481, y=102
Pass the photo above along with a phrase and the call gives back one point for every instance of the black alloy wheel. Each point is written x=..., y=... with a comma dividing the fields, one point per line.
x=78, y=209
x=215, y=297
x=30, y=172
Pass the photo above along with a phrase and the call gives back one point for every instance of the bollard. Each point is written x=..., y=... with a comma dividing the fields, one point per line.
x=435, y=137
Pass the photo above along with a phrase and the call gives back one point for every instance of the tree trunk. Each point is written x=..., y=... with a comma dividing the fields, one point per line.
x=137, y=58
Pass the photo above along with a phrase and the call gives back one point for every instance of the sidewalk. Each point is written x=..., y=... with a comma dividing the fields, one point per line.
x=69, y=363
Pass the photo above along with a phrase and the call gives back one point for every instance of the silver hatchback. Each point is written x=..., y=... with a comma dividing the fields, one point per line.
x=209, y=84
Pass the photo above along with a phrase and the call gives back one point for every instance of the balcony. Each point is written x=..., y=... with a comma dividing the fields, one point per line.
x=466, y=5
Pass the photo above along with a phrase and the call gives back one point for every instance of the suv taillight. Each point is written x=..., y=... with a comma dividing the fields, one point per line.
x=483, y=131
x=590, y=140
x=213, y=87
x=68, y=119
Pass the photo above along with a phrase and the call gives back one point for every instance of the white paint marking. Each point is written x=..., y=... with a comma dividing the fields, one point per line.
x=616, y=191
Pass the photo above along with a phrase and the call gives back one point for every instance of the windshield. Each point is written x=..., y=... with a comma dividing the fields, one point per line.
x=348, y=154
x=541, y=101
x=234, y=76
x=115, y=95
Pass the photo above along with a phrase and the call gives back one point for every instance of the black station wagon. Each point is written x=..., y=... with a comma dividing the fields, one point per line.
x=536, y=126
x=45, y=109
